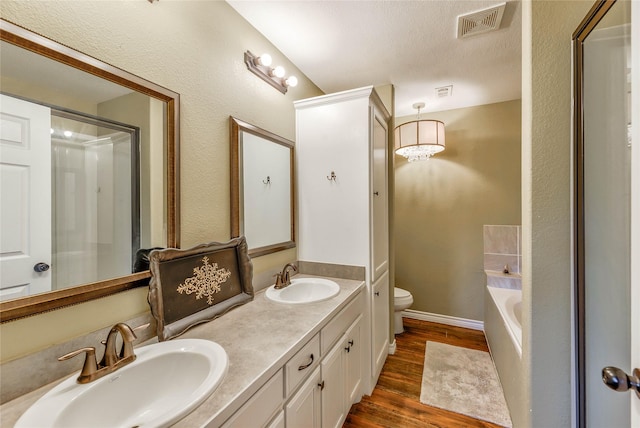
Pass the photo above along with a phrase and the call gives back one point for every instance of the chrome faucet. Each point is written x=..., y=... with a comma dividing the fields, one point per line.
x=111, y=360
x=283, y=278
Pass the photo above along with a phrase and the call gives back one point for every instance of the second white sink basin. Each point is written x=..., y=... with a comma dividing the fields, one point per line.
x=304, y=290
x=165, y=383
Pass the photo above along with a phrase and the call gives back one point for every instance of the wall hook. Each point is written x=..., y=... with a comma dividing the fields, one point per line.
x=332, y=177
x=268, y=180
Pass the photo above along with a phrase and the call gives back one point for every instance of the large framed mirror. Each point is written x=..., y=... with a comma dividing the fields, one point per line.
x=89, y=172
x=262, y=204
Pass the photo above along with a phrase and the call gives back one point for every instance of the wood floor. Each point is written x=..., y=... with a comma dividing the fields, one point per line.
x=395, y=402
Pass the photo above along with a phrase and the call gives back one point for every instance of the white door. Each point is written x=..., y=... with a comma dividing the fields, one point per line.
x=379, y=205
x=25, y=198
x=611, y=174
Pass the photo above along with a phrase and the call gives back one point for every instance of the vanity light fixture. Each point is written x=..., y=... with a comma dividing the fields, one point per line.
x=275, y=76
x=419, y=139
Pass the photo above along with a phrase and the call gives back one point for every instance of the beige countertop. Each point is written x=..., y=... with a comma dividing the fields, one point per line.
x=259, y=337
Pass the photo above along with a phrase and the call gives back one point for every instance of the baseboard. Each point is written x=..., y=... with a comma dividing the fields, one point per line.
x=392, y=347
x=443, y=319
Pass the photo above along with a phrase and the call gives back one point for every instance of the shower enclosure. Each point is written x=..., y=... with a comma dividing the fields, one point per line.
x=95, y=194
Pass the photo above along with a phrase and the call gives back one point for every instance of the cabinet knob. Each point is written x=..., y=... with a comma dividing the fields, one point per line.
x=321, y=385
x=348, y=349
x=377, y=293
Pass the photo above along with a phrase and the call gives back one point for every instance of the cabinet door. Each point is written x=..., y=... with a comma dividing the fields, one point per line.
x=333, y=392
x=333, y=212
x=260, y=408
x=380, y=324
x=303, y=410
x=353, y=362
x=379, y=198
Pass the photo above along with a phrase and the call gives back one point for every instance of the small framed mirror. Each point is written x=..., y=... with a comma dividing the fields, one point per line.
x=262, y=204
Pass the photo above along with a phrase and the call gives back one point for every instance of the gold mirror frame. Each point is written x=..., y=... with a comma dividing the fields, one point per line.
x=236, y=127
x=32, y=305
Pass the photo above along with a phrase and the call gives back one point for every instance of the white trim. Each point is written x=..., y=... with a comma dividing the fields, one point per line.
x=392, y=347
x=443, y=319
x=351, y=94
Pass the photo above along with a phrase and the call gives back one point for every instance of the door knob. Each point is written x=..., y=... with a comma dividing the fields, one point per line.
x=41, y=267
x=618, y=380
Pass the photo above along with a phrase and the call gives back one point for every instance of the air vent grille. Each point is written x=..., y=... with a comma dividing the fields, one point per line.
x=444, y=91
x=481, y=21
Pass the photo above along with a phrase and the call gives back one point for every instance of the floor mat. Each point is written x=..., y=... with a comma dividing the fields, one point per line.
x=463, y=381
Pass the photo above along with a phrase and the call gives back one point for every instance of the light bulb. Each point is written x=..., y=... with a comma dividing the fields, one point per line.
x=51, y=131
x=264, y=59
x=68, y=134
x=292, y=81
x=278, y=71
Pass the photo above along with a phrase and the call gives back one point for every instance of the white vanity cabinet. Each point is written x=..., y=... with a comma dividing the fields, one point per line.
x=303, y=409
x=263, y=409
x=341, y=377
x=327, y=395
x=342, y=193
x=316, y=386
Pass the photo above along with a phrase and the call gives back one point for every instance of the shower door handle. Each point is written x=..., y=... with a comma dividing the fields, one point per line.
x=618, y=380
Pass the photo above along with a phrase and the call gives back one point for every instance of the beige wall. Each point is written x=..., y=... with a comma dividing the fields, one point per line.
x=546, y=210
x=441, y=205
x=196, y=49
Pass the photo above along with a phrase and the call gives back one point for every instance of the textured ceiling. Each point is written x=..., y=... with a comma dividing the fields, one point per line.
x=343, y=45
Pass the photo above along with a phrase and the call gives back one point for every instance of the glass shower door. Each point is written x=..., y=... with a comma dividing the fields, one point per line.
x=604, y=212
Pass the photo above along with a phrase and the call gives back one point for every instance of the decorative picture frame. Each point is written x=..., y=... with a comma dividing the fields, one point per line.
x=197, y=285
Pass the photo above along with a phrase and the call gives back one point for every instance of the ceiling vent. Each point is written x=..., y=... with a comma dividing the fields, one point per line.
x=444, y=91
x=481, y=21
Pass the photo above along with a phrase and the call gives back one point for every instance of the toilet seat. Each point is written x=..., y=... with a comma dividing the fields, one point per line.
x=400, y=292
x=402, y=297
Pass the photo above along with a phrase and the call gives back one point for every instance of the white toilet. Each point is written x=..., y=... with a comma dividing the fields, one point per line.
x=402, y=299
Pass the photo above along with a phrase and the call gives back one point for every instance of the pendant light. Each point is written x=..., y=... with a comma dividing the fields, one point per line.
x=419, y=139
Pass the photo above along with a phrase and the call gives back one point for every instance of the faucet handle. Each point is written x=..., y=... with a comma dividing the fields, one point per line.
x=141, y=327
x=90, y=366
x=279, y=281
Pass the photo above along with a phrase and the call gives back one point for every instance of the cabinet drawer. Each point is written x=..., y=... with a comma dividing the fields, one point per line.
x=261, y=407
x=301, y=364
x=339, y=324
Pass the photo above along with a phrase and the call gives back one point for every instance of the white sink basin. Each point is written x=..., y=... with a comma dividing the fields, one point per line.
x=304, y=290
x=165, y=383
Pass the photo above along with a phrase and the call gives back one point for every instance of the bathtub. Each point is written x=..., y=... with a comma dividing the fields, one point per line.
x=509, y=305
x=503, y=330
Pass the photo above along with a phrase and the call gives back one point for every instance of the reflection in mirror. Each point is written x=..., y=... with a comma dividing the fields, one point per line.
x=262, y=206
x=89, y=174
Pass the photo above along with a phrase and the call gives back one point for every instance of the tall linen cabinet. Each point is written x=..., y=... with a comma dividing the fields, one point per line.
x=342, y=193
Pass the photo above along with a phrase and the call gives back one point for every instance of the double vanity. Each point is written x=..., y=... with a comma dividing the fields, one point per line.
x=286, y=361
x=298, y=356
